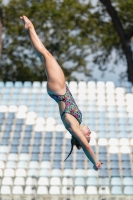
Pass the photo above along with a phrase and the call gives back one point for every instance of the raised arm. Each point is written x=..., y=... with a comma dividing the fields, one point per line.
x=75, y=131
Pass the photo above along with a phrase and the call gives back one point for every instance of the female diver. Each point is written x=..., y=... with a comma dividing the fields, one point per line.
x=59, y=91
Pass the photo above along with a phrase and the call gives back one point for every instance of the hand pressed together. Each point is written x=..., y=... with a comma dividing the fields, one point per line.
x=97, y=166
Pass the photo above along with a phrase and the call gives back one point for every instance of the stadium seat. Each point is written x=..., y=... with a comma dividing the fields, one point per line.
x=31, y=181
x=103, y=190
x=56, y=173
x=67, y=190
x=91, y=190
x=9, y=172
x=128, y=181
x=68, y=173
x=19, y=181
x=116, y=190
x=54, y=190
x=20, y=173
x=44, y=173
x=43, y=181
x=42, y=190
x=7, y=181
x=79, y=190
x=17, y=190
x=115, y=181
x=104, y=181
x=5, y=190
x=128, y=190
x=92, y=181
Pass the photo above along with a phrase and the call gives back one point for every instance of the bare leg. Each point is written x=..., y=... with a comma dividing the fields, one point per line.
x=55, y=76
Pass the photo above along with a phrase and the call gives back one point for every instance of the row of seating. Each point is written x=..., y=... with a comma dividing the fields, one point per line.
x=75, y=181
x=34, y=171
x=77, y=190
x=71, y=83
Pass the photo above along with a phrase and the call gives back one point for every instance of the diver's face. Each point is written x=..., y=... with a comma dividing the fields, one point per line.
x=86, y=132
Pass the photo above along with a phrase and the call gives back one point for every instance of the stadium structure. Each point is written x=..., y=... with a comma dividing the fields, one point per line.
x=34, y=143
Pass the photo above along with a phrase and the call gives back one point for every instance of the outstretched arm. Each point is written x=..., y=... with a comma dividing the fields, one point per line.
x=75, y=131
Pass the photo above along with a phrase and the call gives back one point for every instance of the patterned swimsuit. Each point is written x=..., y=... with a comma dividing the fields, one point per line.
x=70, y=105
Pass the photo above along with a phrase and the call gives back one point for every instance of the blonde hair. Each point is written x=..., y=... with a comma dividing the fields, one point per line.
x=75, y=142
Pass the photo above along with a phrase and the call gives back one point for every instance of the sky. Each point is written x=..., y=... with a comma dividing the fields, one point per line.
x=97, y=75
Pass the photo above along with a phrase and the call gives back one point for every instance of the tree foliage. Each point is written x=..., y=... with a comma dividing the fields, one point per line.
x=57, y=24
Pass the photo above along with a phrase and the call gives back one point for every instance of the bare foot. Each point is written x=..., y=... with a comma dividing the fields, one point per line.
x=27, y=23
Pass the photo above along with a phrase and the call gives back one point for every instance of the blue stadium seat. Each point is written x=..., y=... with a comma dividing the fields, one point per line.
x=102, y=149
x=38, y=135
x=5, y=141
x=59, y=141
x=28, y=128
x=9, y=122
x=112, y=128
x=80, y=157
x=18, y=84
x=56, y=165
x=36, y=149
x=57, y=157
x=127, y=181
x=49, y=135
x=34, y=157
x=116, y=190
x=6, y=134
x=125, y=157
x=126, y=173
x=80, y=165
x=27, y=84
x=25, y=149
x=18, y=128
x=27, y=134
x=15, y=141
x=112, y=134
x=102, y=157
x=103, y=173
x=115, y=173
x=102, y=134
x=114, y=157
x=37, y=141
x=8, y=128
x=92, y=181
x=26, y=141
x=68, y=165
x=17, y=134
x=126, y=165
x=79, y=181
x=46, y=157
x=128, y=190
x=19, y=121
x=47, y=149
x=116, y=181
x=3, y=157
x=14, y=149
x=1, y=84
x=58, y=149
x=114, y=165
x=9, y=84
x=59, y=134
x=48, y=141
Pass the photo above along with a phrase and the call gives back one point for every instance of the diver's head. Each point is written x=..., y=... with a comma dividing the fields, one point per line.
x=74, y=142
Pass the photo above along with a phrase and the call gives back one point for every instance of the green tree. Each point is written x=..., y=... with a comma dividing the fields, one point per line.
x=58, y=25
x=115, y=32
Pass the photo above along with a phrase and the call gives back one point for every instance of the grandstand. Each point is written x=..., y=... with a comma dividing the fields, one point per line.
x=34, y=143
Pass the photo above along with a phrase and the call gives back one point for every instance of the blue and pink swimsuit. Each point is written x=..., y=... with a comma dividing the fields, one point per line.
x=70, y=105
